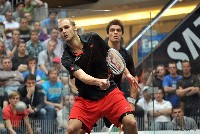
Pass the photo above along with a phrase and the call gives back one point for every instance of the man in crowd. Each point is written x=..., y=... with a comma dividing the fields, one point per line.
x=181, y=122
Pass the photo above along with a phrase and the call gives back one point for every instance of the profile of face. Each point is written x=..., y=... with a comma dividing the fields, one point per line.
x=177, y=113
x=115, y=33
x=15, y=35
x=6, y=64
x=2, y=47
x=67, y=30
x=160, y=71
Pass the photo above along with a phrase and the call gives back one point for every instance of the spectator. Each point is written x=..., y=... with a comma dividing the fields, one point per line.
x=49, y=23
x=42, y=36
x=32, y=69
x=170, y=84
x=18, y=14
x=19, y=60
x=181, y=122
x=160, y=110
x=13, y=43
x=30, y=5
x=62, y=115
x=24, y=30
x=10, y=24
x=188, y=89
x=143, y=103
x=30, y=20
x=13, y=118
x=156, y=77
x=34, y=46
x=11, y=80
x=2, y=32
x=59, y=44
x=2, y=53
x=33, y=95
x=53, y=94
x=46, y=56
x=4, y=6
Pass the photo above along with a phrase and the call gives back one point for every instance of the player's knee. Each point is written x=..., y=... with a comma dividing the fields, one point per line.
x=130, y=123
x=70, y=130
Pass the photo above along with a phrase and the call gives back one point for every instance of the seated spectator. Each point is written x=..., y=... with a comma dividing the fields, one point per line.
x=53, y=94
x=11, y=80
x=4, y=6
x=18, y=14
x=2, y=32
x=12, y=43
x=19, y=61
x=34, y=46
x=143, y=103
x=33, y=95
x=30, y=5
x=59, y=44
x=160, y=110
x=42, y=36
x=45, y=57
x=14, y=118
x=181, y=122
x=10, y=24
x=32, y=69
x=2, y=52
x=49, y=23
x=24, y=29
x=62, y=115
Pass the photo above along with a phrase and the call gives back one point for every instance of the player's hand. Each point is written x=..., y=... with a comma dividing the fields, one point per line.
x=132, y=81
x=104, y=84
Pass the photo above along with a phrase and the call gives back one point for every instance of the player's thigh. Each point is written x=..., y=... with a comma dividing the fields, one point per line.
x=74, y=124
x=129, y=119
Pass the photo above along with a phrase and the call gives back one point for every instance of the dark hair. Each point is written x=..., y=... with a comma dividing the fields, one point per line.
x=30, y=77
x=185, y=61
x=172, y=62
x=31, y=59
x=115, y=22
x=20, y=3
x=177, y=107
x=53, y=12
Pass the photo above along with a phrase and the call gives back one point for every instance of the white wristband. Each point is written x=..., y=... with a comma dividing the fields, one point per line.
x=131, y=100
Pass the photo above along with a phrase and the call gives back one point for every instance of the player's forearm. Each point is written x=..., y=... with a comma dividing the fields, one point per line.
x=87, y=79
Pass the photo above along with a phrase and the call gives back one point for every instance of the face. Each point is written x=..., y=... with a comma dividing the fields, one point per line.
x=34, y=37
x=15, y=35
x=9, y=16
x=161, y=71
x=54, y=34
x=158, y=96
x=51, y=46
x=172, y=69
x=53, y=76
x=115, y=33
x=178, y=113
x=146, y=95
x=20, y=7
x=13, y=101
x=52, y=16
x=28, y=16
x=31, y=63
x=186, y=68
x=69, y=100
x=22, y=48
x=30, y=83
x=6, y=64
x=67, y=30
x=37, y=26
x=24, y=23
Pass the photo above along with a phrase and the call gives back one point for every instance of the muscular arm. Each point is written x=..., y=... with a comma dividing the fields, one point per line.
x=169, y=89
x=182, y=92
